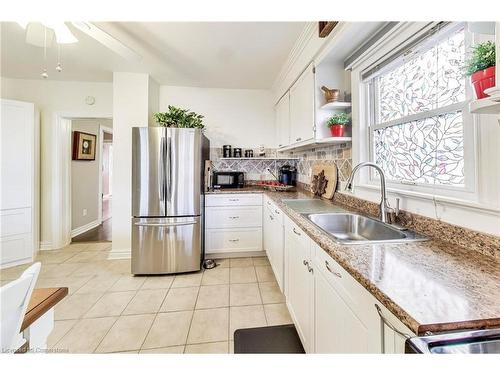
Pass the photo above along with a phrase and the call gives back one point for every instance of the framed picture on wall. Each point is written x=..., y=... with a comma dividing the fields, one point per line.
x=84, y=146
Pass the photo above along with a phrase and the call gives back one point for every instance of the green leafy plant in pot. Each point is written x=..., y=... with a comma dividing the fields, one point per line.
x=337, y=124
x=179, y=118
x=480, y=66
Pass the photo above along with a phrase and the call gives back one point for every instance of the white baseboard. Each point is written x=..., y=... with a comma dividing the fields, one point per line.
x=75, y=232
x=17, y=262
x=46, y=245
x=120, y=254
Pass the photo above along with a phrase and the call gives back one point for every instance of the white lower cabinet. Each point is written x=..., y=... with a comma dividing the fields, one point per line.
x=299, y=290
x=395, y=332
x=233, y=223
x=274, y=240
x=332, y=312
x=345, y=317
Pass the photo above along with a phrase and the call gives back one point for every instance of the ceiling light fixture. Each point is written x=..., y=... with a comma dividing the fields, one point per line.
x=63, y=33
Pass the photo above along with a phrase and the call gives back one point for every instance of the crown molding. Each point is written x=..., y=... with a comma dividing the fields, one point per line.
x=304, y=37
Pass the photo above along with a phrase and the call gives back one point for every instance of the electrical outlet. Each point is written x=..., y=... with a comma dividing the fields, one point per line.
x=84, y=212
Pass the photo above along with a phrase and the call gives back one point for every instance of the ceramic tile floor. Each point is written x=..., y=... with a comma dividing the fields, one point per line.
x=108, y=310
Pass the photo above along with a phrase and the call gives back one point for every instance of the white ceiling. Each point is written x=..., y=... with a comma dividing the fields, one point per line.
x=203, y=54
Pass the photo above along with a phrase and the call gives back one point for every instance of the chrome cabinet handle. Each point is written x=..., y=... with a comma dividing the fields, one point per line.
x=277, y=212
x=270, y=217
x=235, y=240
x=309, y=268
x=234, y=200
x=389, y=324
x=298, y=139
x=234, y=217
x=297, y=233
x=332, y=271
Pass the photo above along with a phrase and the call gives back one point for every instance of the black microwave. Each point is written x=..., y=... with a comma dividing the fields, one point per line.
x=228, y=180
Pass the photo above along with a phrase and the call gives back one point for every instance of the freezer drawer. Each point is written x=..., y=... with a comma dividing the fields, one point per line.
x=166, y=245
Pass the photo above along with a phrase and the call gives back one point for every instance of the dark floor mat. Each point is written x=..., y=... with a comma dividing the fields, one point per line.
x=275, y=339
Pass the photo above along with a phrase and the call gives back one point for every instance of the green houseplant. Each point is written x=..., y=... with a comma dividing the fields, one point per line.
x=179, y=118
x=337, y=124
x=480, y=66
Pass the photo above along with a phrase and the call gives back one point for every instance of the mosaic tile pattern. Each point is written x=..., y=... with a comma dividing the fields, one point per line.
x=339, y=154
x=254, y=169
x=257, y=169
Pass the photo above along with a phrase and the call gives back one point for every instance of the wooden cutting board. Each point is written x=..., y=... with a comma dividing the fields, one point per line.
x=330, y=171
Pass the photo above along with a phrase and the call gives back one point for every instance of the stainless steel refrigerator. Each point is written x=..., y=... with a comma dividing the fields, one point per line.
x=167, y=199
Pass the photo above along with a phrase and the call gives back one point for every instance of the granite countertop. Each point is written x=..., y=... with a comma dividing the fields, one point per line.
x=430, y=286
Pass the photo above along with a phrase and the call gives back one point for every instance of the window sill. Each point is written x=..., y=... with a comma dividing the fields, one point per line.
x=436, y=198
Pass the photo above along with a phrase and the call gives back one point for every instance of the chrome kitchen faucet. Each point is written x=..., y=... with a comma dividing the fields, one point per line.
x=387, y=213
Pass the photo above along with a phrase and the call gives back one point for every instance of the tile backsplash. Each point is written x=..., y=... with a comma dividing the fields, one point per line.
x=339, y=154
x=256, y=169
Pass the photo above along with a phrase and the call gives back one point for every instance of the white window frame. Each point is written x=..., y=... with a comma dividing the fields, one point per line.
x=467, y=192
x=477, y=208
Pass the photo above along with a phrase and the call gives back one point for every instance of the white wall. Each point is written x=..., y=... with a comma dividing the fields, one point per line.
x=51, y=98
x=241, y=118
x=131, y=107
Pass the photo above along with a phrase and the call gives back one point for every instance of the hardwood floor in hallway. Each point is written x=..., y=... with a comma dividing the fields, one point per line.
x=100, y=233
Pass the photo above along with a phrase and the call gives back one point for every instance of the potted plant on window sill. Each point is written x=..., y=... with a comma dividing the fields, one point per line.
x=481, y=68
x=337, y=124
x=179, y=118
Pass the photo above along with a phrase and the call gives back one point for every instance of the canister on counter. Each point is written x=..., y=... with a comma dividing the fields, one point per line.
x=249, y=153
x=237, y=153
x=226, y=151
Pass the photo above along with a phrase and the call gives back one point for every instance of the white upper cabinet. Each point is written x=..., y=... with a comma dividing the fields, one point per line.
x=283, y=120
x=302, y=107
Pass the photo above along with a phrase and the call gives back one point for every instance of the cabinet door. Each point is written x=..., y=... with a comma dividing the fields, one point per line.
x=336, y=328
x=302, y=107
x=283, y=120
x=268, y=233
x=277, y=261
x=300, y=284
x=394, y=332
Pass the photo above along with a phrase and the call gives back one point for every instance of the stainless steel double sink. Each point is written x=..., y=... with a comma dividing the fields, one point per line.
x=350, y=228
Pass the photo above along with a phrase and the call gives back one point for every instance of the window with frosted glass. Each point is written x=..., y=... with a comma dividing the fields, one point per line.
x=418, y=126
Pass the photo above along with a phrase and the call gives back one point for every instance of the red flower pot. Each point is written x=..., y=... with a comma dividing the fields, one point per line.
x=482, y=80
x=337, y=130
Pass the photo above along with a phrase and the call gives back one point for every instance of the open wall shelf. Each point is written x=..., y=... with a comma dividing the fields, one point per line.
x=336, y=105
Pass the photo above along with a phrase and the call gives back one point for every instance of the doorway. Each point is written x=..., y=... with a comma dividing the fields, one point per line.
x=92, y=190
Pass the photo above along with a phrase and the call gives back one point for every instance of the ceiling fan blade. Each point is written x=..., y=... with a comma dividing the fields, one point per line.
x=107, y=40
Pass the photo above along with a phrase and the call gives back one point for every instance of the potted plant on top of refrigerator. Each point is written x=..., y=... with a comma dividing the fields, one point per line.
x=179, y=118
x=481, y=68
x=337, y=124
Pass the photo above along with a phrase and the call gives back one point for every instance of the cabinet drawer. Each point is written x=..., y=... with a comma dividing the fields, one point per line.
x=233, y=217
x=278, y=215
x=293, y=230
x=351, y=291
x=230, y=240
x=215, y=200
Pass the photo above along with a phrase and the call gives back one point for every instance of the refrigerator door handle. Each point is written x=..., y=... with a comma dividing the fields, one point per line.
x=162, y=170
x=166, y=224
x=169, y=151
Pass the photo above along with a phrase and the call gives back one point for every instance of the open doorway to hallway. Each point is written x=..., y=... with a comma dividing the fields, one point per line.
x=91, y=187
